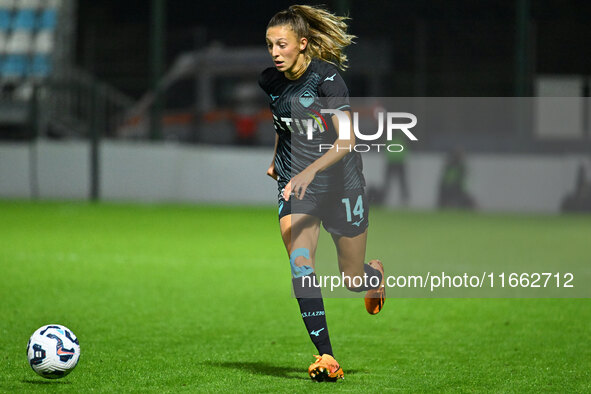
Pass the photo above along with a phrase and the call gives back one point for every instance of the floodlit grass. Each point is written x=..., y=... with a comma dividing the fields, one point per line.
x=192, y=298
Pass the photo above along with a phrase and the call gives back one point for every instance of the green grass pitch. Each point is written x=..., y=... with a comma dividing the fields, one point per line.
x=173, y=298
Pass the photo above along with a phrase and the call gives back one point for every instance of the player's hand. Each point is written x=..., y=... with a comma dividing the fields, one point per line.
x=298, y=184
x=271, y=171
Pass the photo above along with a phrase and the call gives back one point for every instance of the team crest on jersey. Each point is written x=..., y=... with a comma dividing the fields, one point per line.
x=306, y=99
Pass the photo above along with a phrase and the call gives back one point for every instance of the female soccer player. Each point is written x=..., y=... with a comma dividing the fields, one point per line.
x=306, y=44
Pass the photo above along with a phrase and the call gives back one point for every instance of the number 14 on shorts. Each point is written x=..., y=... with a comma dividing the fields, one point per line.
x=357, y=210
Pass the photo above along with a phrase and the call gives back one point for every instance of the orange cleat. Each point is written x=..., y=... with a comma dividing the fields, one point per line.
x=325, y=369
x=375, y=298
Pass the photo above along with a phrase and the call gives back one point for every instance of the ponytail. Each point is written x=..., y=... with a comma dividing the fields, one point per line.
x=326, y=33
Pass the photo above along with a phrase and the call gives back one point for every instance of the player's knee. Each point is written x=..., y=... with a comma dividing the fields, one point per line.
x=300, y=263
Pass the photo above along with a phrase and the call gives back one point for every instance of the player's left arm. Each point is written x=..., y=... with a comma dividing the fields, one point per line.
x=336, y=90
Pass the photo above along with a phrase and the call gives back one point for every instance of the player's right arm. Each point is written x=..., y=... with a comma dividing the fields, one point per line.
x=271, y=170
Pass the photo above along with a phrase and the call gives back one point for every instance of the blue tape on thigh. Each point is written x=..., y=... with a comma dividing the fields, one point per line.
x=304, y=270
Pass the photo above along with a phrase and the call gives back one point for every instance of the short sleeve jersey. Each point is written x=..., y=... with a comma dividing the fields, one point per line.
x=304, y=134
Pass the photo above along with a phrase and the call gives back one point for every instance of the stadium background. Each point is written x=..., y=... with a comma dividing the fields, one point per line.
x=127, y=102
x=126, y=75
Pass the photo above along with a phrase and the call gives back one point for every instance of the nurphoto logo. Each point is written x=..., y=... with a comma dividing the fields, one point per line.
x=390, y=121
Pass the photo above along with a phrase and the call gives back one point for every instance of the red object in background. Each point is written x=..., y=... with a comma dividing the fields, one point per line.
x=246, y=127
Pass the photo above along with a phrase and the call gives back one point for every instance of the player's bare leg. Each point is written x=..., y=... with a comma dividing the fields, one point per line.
x=300, y=236
x=300, y=231
x=351, y=256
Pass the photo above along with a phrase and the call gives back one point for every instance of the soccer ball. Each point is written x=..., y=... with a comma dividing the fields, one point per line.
x=53, y=351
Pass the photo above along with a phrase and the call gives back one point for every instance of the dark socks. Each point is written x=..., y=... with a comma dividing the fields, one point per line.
x=312, y=308
x=370, y=272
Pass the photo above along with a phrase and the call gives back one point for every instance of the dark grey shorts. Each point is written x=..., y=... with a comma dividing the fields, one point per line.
x=344, y=213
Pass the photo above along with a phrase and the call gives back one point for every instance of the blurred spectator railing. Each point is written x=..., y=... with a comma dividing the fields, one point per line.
x=77, y=104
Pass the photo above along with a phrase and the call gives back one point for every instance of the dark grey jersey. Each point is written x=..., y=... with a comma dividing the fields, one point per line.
x=304, y=133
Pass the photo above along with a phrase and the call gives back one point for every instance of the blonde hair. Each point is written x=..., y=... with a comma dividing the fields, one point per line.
x=326, y=33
